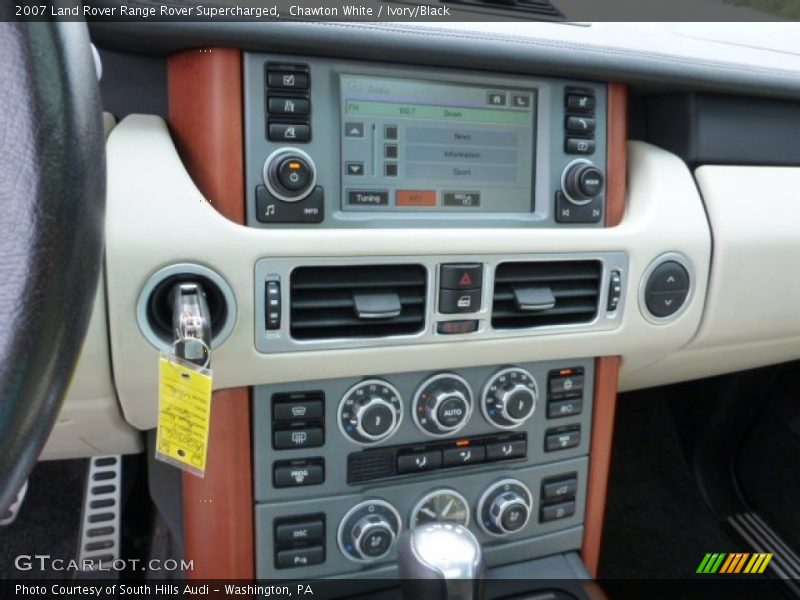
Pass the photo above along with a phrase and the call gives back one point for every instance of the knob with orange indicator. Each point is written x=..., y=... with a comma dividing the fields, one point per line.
x=289, y=174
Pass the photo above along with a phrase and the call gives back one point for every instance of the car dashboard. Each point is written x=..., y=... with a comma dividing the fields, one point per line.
x=430, y=273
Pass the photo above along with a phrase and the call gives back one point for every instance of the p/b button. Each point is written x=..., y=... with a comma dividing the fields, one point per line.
x=294, y=173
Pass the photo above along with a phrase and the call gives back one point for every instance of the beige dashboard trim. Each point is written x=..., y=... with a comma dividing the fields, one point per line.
x=156, y=216
x=752, y=313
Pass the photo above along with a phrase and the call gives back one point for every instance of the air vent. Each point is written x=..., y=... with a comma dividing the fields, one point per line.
x=538, y=294
x=364, y=301
x=539, y=7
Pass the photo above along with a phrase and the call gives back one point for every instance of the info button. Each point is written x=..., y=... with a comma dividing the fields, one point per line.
x=416, y=197
x=367, y=198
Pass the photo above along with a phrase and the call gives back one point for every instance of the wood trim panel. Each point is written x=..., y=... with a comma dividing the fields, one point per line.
x=605, y=403
x=617, y=153
x=218, y=509
x=206, y=120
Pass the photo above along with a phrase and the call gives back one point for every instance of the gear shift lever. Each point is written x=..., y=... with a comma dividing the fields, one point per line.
x=441, y=561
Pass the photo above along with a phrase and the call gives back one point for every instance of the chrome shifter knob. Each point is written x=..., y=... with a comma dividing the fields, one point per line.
x=440, y=561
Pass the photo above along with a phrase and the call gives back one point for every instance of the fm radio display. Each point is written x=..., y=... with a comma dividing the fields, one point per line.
x=425, y=145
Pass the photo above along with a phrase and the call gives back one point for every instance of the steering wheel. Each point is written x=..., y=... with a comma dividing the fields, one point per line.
x=52, y=209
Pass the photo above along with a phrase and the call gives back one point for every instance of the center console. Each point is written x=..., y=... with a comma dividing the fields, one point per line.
x=343, y=466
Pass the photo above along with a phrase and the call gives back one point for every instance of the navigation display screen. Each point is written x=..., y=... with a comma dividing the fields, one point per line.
x=425, y=145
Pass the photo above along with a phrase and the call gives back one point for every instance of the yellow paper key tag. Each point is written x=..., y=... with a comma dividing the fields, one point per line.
x=184, y=414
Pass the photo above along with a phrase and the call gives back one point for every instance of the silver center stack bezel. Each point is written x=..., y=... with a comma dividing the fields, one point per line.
x=280, y=270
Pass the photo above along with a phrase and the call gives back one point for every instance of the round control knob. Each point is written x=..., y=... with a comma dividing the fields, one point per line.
x=368, y=531
x=372, y=537
x=289, y=174
x=505, y=507
x=442, y=405
x=582, y=181
x=370, y=412
x=509, y=398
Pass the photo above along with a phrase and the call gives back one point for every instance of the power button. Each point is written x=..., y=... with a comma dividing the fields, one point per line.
x=294, y=173
x=289, y=174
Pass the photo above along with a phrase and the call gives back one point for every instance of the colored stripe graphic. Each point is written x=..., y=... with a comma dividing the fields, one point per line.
x=767, y=558
x=734, y=563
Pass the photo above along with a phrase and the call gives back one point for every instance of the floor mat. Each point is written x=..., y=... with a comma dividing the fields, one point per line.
x=48, y=522
x=657, y=524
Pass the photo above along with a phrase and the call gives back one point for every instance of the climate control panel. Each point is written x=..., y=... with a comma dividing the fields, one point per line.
x=375, y=455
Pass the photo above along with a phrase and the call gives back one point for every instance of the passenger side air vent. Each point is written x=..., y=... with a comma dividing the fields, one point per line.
x=363, y=301
x=539, y=7
x=537, y=294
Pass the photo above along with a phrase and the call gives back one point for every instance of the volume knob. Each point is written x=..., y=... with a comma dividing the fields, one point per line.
x=289, y=174
x=582, y=181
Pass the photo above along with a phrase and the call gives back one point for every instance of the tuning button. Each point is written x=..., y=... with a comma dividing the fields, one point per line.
x=368, y=531
x=582, y=182
x=370, y=412
x=442, y=405
x=505, y=507
x=289, y=174
x=509, y=398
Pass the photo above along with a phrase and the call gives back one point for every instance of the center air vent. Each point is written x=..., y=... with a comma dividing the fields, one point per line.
x=538, y=294
x=364, y=301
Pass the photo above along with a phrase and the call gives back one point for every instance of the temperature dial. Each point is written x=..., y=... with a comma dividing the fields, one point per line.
x=505, y=507
x=370, y=412
x=509, y=398
x=368, y=531
x=442, y=405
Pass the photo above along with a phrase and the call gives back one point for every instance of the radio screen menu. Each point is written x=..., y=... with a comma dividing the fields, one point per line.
x=427, y=146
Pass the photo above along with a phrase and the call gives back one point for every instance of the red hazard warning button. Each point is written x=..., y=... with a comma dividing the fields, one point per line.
x=461, y=276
